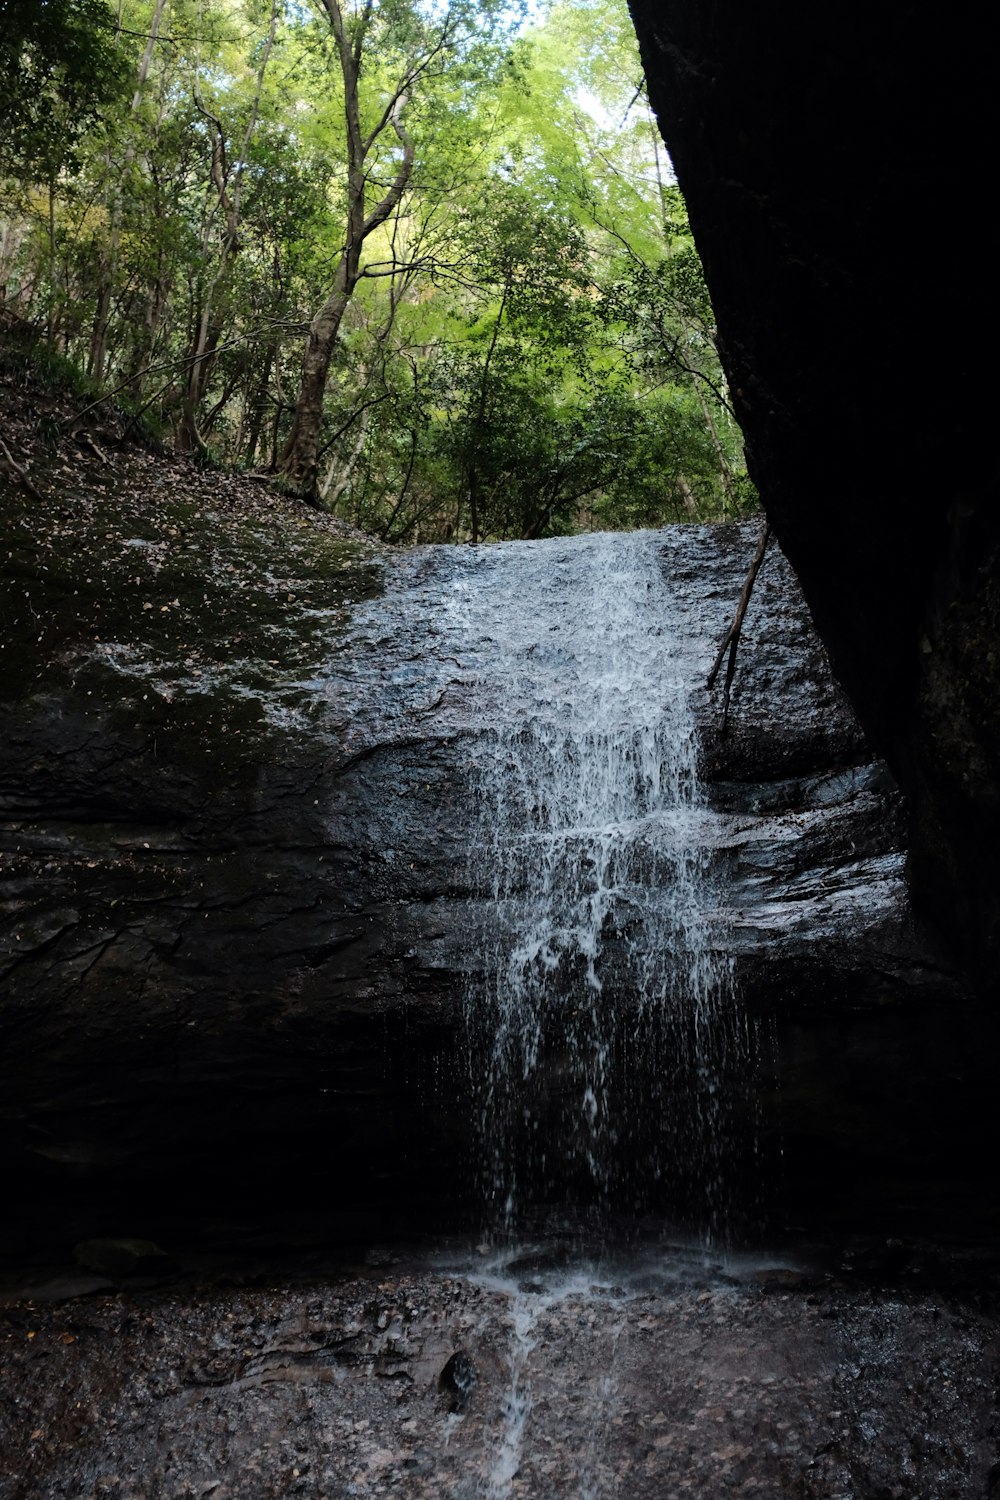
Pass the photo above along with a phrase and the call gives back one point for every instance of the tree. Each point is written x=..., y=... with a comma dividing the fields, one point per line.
x=402, y=45
x=472, y=230
x=659, y=312
x=531, y=267
x=221, y=242
x=60, y=68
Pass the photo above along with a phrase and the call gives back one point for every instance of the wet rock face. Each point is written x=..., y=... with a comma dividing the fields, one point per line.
x=807, y=153
x=874, y=1081
x=193, y=1013
x=237, y=898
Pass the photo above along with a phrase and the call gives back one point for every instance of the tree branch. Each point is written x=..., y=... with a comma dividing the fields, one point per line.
x=395, y=192
x=406, y=83
x=731, y=639
x=21, y=474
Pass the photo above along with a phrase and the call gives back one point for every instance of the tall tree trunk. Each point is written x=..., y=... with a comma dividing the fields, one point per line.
x=108, y=261
x=299, y=465
x=300, y=458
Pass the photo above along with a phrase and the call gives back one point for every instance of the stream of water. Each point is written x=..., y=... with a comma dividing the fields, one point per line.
x=607, y=1047
x=607, y=1050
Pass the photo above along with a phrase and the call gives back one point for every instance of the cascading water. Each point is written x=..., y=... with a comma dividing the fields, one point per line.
x=605, y=1044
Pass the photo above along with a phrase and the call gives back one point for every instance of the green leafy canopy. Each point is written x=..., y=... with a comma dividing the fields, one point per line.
x=60, y=68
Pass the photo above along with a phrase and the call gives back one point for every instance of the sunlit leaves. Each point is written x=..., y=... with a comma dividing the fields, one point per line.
x=531, y=325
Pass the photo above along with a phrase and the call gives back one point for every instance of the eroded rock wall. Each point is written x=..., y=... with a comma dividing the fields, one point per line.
x=836, y=171
x=236, y=903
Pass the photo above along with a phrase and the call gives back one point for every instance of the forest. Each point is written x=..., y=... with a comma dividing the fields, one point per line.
x=423, y=265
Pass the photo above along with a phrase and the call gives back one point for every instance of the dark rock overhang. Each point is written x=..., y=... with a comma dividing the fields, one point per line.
x=837, y=169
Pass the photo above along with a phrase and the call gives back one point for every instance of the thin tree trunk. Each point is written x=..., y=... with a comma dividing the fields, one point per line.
x=387, y=528
x=725, y=473
x=228, y=187
x=280, y=406
x=654, y=132
x=479, y=423
x=299, y=466
x=687, y=495
x=52, y=318
x=330, y=500
x=258, y=408
x=109, y=257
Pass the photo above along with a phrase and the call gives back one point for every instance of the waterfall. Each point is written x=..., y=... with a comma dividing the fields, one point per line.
x=605, y=1043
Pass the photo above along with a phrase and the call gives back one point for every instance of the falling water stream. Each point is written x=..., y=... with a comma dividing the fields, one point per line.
x=513, y=776
x=605, y=1040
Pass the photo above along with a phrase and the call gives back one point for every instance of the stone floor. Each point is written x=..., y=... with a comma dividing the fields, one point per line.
x=666, y=1382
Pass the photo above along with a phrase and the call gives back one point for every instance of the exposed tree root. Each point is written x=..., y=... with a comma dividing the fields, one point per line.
x=17, y=471
x=731, y=639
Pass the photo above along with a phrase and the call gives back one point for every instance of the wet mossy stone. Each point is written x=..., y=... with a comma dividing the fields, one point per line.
x=192, y=632
x=458, y=1380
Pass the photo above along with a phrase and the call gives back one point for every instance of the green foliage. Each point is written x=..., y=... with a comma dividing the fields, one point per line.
x=530, y=346
x=61, y=67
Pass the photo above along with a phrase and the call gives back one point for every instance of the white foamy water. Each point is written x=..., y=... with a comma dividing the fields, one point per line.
x=535, y=1316
x=608, y=1058
x=601, y=1020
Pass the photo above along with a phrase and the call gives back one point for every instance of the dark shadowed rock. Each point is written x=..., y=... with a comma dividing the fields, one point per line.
x=237, y=900
x=123, y=1257
x=809, y=152
x=458, y=1380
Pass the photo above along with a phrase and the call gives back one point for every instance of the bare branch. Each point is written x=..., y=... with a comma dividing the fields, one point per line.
x=355, y=414
x=379, y=214
x=640, y=89
x=405, y=86
x=185, y=361
x=18, y=471
x=731, y=639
